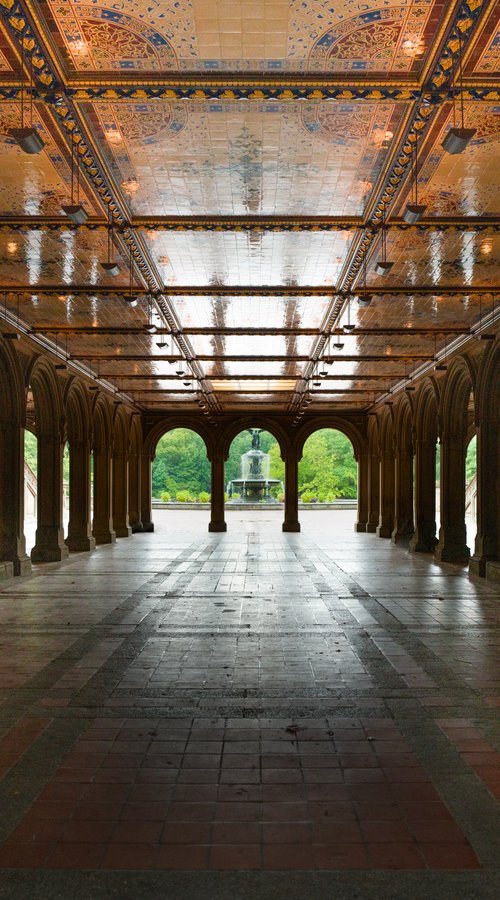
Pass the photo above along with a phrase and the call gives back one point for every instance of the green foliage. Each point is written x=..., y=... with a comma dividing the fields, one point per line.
x=308, y=496
x=164, y=496
x=184, y=497
x=30, y=450
x=204, y=497
x=471, y=460
x=180, y=464
x=327, y=470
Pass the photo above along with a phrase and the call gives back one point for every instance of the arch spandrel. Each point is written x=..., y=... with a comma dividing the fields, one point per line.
x=77, y=411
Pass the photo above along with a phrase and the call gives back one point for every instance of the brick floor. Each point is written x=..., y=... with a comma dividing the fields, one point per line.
x=250, y=701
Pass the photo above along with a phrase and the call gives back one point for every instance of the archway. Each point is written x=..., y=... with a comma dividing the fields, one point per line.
x=44, y=392
x=181, y=474
x=457, y=412
x=328, y=477
x=254, y=471
x=30, y=478
x=471, y=490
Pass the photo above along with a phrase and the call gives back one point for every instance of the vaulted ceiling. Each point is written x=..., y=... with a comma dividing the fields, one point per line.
x=252, y=159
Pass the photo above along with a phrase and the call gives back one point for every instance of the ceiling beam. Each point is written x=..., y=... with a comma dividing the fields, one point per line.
x=271, y=290
x=151, y=376
x=249, y=223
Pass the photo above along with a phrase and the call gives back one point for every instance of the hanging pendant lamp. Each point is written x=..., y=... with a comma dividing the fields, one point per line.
x=458, y=137
x=414, y=211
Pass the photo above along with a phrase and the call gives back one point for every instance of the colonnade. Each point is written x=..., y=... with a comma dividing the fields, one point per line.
x=395, y=447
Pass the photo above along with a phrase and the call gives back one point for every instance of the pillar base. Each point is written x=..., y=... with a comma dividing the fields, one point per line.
x=49, y=554
x=360, y=527
x=148, y=526
x=493, y=570
x=371, y=528
x=291, y=526
x=424, y=540
x=137, y=528
x=123, y=531
x=401, y=537
x=452, y=554
x=217, y=526
x=384, y=531
x=105, y=537
x=81, y=544
x=6, y=570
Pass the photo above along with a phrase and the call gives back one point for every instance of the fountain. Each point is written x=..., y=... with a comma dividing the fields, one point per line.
x=255, y=485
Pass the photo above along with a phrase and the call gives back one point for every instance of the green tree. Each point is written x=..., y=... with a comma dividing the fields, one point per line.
x=180, y=464
x=328, y=468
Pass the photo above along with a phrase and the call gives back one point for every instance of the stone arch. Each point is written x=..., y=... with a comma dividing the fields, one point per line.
x=386, y=442
x=42, y=378
x=458, y=384
x=241, y=423
x=102, y=424
x=357, y=439
x=121, y=430
x=77, y=411
x=403, y=422
x=150, y=441
x=12, y=395
x=386, y=430
x=426, y=416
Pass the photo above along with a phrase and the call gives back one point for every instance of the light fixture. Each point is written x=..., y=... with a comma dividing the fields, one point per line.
x=364, y=299
x=75, y=210
x=27, y=137
x=458, y=137
x=483, y=335
x=161, y=344
x=110, y=267
x=150, y=328
x=414, y=211
x=383, y=267
x=11, y=336
x=348, y=326
x=131, y=300
x=338, y=345
x=180, y=371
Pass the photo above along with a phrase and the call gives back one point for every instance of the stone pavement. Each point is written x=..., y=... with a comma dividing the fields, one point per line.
x=250, y=714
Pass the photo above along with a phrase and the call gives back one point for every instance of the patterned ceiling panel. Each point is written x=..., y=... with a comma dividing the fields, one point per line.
x=461, y=184
x=434, y=258
x=66, y=257
x=198, y=158
x=239, y=258
x=250, y=312
x=264, y=35
x=38, y=184
x=484, y=59
x=252, y=345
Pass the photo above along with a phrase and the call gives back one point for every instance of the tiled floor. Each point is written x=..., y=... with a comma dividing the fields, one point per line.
x=184, y=702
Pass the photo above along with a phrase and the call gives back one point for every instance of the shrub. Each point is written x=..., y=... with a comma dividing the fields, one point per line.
x=183, y=497
x=204, y=497
x=308, y=497
x=164, y=496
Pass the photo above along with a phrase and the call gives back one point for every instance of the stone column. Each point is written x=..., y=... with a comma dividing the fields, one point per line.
x=217, y=521
x=103, y=530
x=424, y=539
x=486, y=558
x=13, y=557
x=373, y=492
x=362, y=520
x=146, y=493
x=120, y=494
x=291, y=522
x=452, y=545
x=386, y=516
x=403, y=495
x=134, y=492
x=80, y=527
x=49, y=543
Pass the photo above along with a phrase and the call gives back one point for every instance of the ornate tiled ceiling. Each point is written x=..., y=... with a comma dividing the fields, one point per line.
x=248, y=154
